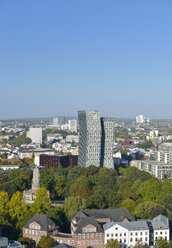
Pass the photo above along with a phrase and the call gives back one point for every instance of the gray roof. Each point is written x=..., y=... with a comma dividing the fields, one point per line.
x=3, y=242
x=131, y=226
x=62, y=246
x=116, y=215
x=159, y=222
x=42, y=220
x=84, y=221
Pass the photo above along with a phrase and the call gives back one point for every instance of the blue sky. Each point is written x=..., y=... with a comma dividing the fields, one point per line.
x=60, y=56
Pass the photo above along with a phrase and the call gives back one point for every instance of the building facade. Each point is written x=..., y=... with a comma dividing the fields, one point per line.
x=39, y=225
x=156, y=169
x=35, y=134
x=56, y=160
x=95, y=140
x=129, y=233
x=73, y=125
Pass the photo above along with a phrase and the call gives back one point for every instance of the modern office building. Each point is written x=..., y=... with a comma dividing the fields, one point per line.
x=95, y=139
x=73, y=125
x=35, y=134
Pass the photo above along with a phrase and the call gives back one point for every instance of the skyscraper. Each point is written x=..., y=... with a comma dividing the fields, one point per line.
x=95, y=139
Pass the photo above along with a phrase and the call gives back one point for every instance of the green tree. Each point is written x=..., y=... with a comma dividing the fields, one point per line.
x=81, y=187
x=150, y=189
x=112, y=243
x=149, y=210
x=161, y=243
x=4, y=200
x=139, y=244
x=73, y=205
x=28, y=242
x=129, y=204
x=46, y=242
x=60, y=182
x=42, y=202
x=17, y=208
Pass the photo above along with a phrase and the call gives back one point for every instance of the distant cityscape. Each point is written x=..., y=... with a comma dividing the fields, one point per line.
x=85, y=142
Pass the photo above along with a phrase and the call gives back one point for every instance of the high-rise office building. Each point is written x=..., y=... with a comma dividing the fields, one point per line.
x=95, y=139
x=73, y=125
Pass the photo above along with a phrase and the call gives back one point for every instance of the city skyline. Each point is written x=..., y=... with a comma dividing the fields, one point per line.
x=61, y=56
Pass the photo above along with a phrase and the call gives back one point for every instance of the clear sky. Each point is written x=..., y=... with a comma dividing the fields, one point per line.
x=60, y=56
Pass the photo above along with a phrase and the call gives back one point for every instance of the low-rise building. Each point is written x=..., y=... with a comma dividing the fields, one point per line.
x=28, y=153
x=39, y=225
x=129, y=233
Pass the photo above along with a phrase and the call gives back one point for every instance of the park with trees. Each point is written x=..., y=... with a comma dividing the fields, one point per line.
x=81, y=188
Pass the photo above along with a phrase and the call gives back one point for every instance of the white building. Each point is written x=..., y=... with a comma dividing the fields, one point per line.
x=73, y=125
x=140, y=119
x=129, y=233
x=35, y=134
x=28, y=153
x=70, y=138
x=55, y=122
x=156, y=169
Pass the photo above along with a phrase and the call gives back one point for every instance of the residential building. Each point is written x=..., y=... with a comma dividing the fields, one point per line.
x=71, y=138
x=95, y=139
x=157, y=169
x=162, y=156
x=56, y=160
x=35, y=134
x=73, y=125
x=29, y=152
x=129, y=233
x=39, y=225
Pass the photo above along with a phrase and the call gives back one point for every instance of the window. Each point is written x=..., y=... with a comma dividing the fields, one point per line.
x=87, y=242
x=131, y=234
x=79, y=242
x=83, y=242
x=140, y=233
x=100, y=242
x=72, y=242
x=116, y=235
x=87, y=235
x=136, y=233
x=135, y=239
x=146, y=239
x=124, y=234
x=33, y=232
x=95, y=242
x=92, y=235
x=124, y=240
x=161, y=233
x=156, y=233
x=111, y=234
x=131, y=239
x=120, y=234
x=107, y=234
x=79, y=236
x=96, y=235
x=83, y=236
x=68, y=242
x=100, y=235
x=92, y=242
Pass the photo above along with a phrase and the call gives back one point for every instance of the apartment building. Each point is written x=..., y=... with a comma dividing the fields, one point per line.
x=156, y=169
x=162, y=156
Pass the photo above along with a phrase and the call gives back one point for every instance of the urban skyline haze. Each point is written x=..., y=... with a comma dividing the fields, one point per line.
x=57, y=57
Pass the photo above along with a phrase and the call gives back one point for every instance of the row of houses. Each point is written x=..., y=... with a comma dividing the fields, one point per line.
x=93, y=228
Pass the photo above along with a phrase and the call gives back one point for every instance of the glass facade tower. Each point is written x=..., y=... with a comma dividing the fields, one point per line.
x=95, y=139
